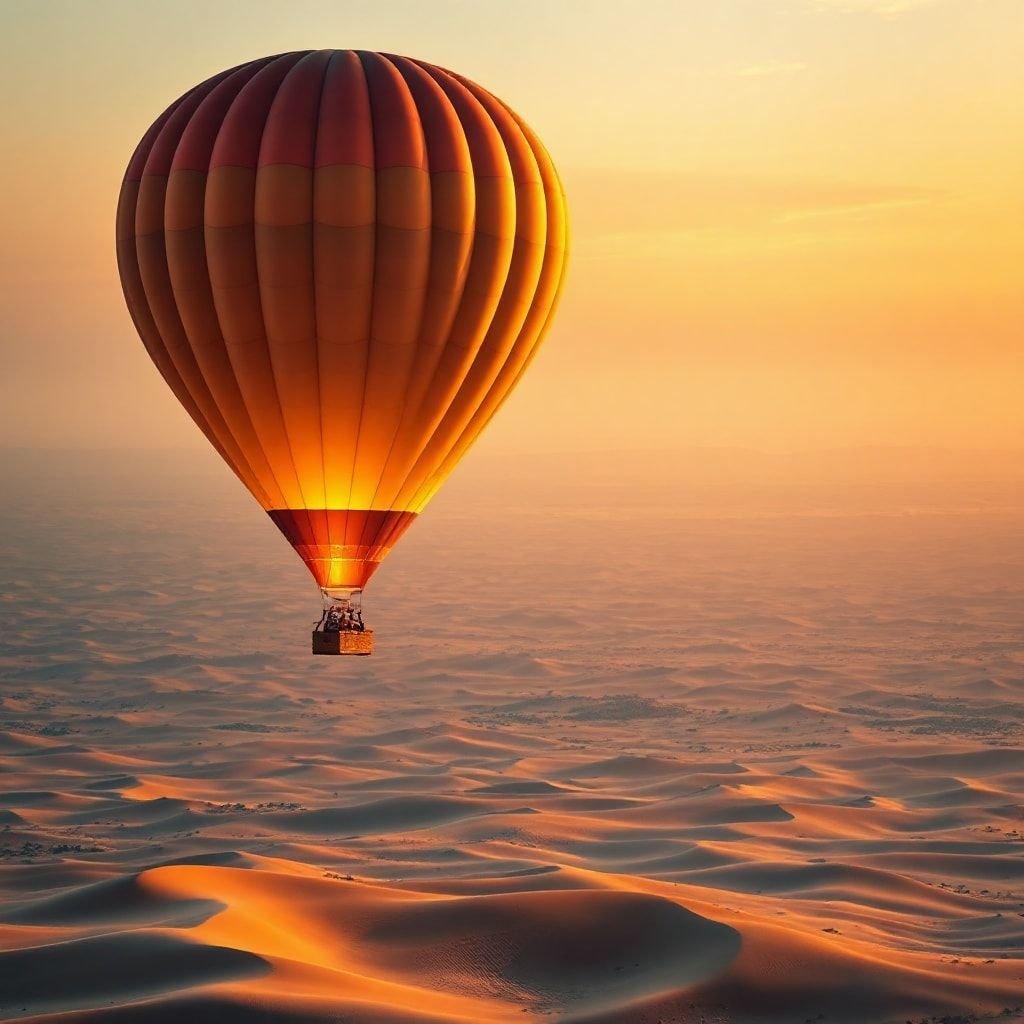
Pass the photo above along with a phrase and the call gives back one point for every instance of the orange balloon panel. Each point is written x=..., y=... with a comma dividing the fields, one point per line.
x=341, y=262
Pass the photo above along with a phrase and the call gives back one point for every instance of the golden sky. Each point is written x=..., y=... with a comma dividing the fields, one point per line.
x=797, y=223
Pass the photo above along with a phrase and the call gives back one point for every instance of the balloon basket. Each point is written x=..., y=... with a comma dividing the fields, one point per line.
x=343, y=641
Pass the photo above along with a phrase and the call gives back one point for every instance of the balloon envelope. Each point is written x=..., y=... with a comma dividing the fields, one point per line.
x=341, y=262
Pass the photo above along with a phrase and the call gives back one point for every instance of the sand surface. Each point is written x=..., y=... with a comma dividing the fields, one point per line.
x=738, y=750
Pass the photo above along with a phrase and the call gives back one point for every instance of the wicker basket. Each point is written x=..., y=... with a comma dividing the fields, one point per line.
x=343, y=642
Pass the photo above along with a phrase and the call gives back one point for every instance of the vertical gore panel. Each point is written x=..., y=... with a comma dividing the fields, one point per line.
x=488, y=284
x=190, y=278
x=401, y=266
x=231, y=258
x=344, y=209
x=541, y=312
x=284, y=260
x=151, y=255
x=453, y=215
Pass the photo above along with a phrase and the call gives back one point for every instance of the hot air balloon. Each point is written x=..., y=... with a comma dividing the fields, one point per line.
x=341, y=262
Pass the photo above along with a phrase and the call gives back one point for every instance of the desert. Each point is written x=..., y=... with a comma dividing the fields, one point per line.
x=762, y=762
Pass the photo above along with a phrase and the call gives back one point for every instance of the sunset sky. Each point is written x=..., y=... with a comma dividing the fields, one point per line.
x=796, y=223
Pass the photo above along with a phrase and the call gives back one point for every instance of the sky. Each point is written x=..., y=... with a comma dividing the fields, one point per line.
x=797, y=224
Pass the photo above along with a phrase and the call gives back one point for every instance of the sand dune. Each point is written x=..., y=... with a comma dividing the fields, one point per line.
x=768, y=767
x=100, y=970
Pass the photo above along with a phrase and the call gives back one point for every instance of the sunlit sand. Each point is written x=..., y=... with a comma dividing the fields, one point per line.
x=757, y=766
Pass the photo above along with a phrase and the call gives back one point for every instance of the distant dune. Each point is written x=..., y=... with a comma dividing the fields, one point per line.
x=763, y=766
